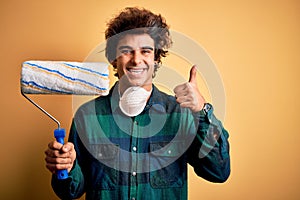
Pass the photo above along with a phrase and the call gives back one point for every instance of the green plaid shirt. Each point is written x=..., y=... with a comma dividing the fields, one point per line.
x=144, y=157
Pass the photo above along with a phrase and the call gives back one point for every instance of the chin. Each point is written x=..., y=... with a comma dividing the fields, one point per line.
x=137, y=83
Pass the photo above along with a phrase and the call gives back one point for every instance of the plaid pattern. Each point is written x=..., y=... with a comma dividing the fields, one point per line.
x=144, y=157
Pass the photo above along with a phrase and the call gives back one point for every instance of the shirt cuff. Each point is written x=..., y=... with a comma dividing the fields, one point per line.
x=206, y=116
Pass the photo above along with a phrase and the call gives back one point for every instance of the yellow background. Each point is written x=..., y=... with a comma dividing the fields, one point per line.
x=255, y=45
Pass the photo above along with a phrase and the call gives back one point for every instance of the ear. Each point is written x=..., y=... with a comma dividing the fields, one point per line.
x=156, y=66
x=114, y=63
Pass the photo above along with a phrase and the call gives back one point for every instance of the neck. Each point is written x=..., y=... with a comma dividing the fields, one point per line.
x=123, y=87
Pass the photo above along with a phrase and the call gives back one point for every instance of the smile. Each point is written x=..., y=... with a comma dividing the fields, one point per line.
x=136, y=70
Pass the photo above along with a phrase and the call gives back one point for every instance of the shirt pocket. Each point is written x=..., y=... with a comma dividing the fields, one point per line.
x=104, y=173
x=167, y=168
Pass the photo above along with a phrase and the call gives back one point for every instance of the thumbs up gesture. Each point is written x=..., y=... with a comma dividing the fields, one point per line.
x=188, y=94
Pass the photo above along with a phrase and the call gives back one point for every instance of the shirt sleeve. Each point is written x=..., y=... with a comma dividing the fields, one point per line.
x=73, y=186
x=209, y=151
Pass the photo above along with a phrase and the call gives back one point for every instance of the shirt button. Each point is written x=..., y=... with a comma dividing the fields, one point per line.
x=169, y=152
x=134, y=148
x=133, y=173
x=132, y=198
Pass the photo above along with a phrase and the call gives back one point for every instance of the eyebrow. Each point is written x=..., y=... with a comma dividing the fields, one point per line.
x=129, y=47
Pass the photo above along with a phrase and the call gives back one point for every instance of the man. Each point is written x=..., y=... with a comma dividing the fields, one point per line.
x=136, y=142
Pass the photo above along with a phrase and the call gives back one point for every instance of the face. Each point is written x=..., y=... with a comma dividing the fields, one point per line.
x=135, y=59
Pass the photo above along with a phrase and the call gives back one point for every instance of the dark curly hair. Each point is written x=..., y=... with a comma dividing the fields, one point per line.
x=133, y=20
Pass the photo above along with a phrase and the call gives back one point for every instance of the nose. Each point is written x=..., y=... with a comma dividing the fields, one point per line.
x=137, y=58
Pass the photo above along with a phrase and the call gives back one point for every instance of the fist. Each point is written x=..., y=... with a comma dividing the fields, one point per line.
x=60, y=156
x=188, y=94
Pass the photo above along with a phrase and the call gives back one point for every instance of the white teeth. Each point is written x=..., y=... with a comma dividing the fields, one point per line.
x=136, y=71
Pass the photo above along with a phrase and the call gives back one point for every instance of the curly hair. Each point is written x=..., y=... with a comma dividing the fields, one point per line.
x=133, y=20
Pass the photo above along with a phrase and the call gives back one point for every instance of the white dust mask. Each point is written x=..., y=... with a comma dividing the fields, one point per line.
x=133, y=100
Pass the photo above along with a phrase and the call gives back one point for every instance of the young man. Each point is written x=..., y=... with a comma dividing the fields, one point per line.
x=136, y=142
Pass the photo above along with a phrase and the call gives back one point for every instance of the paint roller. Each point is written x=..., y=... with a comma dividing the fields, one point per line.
x=60, y=77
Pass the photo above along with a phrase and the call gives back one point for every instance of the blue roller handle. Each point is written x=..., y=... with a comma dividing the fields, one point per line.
x=60, y=134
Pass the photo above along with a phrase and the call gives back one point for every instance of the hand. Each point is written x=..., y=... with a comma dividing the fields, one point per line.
x=188, y=94
x=60, y=156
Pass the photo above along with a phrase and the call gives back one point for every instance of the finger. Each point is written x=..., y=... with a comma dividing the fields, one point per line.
x=182, y=90
x=57, y=153
x=55, y=145
x=54, y=164
x=58, y=146
x=188, y=99
x=52, y=160
x=67, y=147
x=54, y=167
x=193, y=74
x=179, y=88
x=181, y=94
x=181, y=99
x=188, y=89
x=185, y=105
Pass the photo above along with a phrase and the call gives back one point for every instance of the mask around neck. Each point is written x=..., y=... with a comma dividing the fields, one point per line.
x=133, y=100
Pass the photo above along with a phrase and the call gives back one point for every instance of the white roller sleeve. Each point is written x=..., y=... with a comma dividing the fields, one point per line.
x=60, y=77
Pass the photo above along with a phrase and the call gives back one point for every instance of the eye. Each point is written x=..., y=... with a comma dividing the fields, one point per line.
x=126, y=51
x=147, y=51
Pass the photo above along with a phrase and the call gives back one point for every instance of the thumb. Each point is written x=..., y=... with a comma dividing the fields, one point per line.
x=193, y=74
x=67, y=147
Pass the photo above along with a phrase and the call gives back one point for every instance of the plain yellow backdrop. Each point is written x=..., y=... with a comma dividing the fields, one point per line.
x=255, y=45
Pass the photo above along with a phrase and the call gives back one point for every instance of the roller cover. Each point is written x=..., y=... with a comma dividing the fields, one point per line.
x=60, y=77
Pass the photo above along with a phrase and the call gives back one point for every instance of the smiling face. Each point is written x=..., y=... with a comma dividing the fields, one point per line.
x=135, y=60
